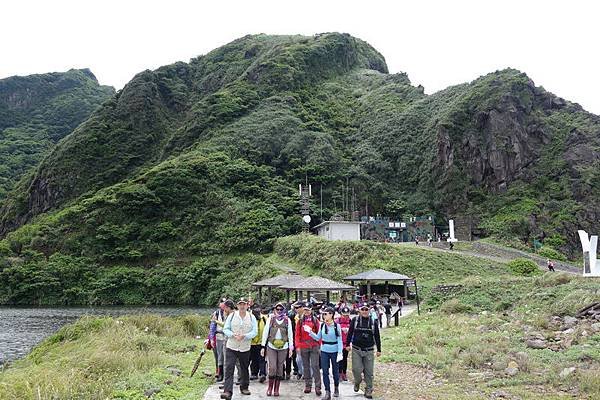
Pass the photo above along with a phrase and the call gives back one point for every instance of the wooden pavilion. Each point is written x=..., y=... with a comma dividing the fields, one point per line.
x=276, y=282
x=384, y=282
x=315, y=284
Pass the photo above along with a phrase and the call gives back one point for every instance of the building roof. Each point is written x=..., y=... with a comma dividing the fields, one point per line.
x=279, y=280
x=317, y=283
x=377, y=275
x=337, y=222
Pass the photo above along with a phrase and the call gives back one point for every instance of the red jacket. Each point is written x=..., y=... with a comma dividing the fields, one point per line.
x=345, y=325
x=302, y=339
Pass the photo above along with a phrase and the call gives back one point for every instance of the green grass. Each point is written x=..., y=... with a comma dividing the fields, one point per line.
x=475, y=331
x=102, y=358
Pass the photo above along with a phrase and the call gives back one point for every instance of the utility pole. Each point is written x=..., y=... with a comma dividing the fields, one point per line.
x=305, y=191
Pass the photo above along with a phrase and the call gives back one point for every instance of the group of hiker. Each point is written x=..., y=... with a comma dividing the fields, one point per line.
x=309, y=339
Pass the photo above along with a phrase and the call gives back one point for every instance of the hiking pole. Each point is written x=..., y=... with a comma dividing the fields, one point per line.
x=197, y=363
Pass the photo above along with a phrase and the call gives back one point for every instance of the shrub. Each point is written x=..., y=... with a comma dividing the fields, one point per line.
x=551, y=253
x=455, y=306
x=523, y=267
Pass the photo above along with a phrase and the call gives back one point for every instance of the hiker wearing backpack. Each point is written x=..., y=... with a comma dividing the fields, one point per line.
x=363, y=339
x=344, y=322
x=278, y=344
x=330, y=335
x=309, y=348
x=257, y=361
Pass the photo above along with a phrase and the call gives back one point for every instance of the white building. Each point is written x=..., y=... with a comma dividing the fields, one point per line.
x=339, y=230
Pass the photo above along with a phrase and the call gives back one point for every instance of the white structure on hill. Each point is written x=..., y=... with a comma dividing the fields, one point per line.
x=589, y=244
x=339, y=230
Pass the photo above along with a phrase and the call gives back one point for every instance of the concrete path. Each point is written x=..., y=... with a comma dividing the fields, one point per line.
x=293, y=389
x=289, y=390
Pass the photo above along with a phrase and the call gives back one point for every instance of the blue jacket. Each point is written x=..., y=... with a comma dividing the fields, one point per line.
x=332, y=343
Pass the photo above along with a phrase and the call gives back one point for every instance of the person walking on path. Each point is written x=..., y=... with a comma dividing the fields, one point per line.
x=344, y=322
x=388, y=313
x=363, y=338
x=257, y=361
x=309, y=348
x=294, y=314
x=277, y=346
x=330, y=335
x=218, y=318
x=240, y=328
x=550, y=265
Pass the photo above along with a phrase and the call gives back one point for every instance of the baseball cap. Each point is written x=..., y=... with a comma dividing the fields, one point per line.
x=242, y=300
x=345, y=310
x=229, y=303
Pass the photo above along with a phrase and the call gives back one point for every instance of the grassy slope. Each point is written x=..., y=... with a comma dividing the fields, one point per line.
x=100, y=358
x=467, y=341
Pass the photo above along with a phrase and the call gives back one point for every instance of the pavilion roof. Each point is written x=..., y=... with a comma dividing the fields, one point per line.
x=279, y=280
x=317, y=283
x=377, y=275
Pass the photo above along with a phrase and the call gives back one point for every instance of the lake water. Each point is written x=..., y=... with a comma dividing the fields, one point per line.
x=23, y=328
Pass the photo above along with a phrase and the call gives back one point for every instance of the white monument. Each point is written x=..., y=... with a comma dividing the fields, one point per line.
x=451, y=239
x=589, y=244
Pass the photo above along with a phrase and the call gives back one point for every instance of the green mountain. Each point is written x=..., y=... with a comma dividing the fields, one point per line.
x=36, y=111
x=203, y=159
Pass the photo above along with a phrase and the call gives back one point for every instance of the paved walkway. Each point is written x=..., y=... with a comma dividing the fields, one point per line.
x=289, y=390
x=293, y=389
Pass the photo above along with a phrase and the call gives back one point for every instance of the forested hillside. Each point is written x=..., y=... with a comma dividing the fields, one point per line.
x=203, y=159
x=36, y=111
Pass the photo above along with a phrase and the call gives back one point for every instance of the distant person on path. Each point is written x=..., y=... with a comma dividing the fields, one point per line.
x=380, y=311
x=257, y=360
x=344, y=322
x=309, y=348
x=240, y=328
x=330, y=335
x=363, y=339
x=417, y=240
x=550, y=265
x=451, y=245
x=388, y=312
x=278, y=345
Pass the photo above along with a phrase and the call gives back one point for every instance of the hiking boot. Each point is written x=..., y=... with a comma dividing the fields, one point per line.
x=307, y=389
x=287, y=377
x=270, y=388
x=369, y=393
x=299, y=376
x=318, y=391
x=262, y=379
x=356, y=387
x=245, y=391
x=336, y=391
x=226, y=395
x=221, y=387
x=327, y=395
x=220, y=375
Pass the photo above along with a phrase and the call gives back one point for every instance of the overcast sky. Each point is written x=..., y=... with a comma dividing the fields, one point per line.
x=438, y=43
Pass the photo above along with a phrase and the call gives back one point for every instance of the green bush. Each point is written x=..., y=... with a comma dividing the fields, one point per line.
x=523, y=267
x=455, y=306
x=553, y=254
